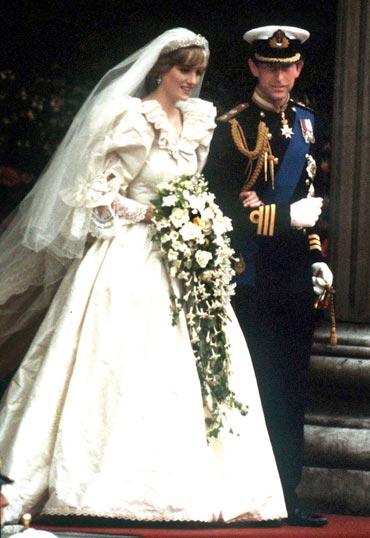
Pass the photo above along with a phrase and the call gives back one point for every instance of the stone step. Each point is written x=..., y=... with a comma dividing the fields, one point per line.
x=341, y=371
x=349, y=334
x=342, y=491
x=336, y=420
x=337, y=447
x=361, y=352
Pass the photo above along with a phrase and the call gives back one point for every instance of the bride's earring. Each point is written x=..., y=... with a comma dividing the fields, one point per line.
x=158, y=80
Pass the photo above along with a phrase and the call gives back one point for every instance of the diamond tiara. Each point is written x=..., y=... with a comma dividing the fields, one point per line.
x=197, y=41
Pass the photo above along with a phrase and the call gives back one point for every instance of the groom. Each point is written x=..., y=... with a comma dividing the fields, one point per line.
x=262, y=168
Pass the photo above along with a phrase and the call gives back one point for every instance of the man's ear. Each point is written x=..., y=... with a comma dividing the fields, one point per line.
x=299, y=65
x=253, y=67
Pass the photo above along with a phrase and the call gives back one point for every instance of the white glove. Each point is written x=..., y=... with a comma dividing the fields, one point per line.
x=305, y=212
x=322, y=277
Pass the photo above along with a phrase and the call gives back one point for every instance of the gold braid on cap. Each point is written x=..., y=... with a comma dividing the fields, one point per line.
x=262, y=153
x=268, y=59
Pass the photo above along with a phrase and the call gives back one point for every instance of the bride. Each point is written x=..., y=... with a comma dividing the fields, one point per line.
x=104, y=416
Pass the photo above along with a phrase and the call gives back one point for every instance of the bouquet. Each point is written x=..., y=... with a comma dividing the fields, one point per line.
x=191, y=233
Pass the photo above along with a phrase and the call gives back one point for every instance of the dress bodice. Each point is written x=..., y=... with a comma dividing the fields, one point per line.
x=140, y=151
x=171, y=155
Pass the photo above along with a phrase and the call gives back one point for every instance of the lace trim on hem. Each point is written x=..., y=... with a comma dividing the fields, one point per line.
x=247, y=517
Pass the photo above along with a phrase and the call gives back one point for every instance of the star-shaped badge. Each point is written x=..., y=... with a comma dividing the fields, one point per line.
x=287, y=131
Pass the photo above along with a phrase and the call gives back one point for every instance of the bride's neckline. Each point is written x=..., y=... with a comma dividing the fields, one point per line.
x=177, y=131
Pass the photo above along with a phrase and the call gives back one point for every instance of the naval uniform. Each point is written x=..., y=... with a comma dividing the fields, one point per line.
x=274, y=295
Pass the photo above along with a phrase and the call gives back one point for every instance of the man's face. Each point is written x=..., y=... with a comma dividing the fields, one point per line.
x=275, y=81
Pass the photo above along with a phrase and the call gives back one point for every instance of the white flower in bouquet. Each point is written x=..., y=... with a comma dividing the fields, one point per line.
x=174, y=235
x=169, y=201
x=204, y=224
x=202, y=257
x=196, y=203
x=207, y=276
x=221, y=225
x=179, y=217
x=177, y=245
x=185, y=217
x=191, y=231
x=172, y=255
x=165, y=238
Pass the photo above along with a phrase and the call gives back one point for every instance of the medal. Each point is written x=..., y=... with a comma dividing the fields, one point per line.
x=307, y=130
x=286, y=131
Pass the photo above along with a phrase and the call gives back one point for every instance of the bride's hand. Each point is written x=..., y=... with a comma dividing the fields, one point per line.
x=250, y=199
x=148, y=215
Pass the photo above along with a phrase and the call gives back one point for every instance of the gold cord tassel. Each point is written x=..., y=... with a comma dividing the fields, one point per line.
x=326, y=301
x=333, y=325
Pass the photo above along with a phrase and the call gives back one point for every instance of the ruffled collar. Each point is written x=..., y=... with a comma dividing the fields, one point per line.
x=198, y=123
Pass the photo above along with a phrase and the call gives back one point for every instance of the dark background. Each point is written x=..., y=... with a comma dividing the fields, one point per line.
x=53, y=53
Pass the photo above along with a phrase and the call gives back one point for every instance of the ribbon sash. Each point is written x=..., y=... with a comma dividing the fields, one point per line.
x=291, y=167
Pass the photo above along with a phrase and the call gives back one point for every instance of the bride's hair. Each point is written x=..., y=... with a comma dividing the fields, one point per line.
x=191, y=57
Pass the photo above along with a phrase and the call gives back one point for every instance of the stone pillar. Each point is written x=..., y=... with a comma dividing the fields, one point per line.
x=337, y=430
x=350, y=184
x=336, y=477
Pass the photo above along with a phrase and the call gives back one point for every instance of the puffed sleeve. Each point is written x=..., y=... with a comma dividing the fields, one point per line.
x=103, y=191
x=199, y=126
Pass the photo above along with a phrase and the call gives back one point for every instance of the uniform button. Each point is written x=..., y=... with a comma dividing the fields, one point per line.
x=307, y=182
x=262, y=114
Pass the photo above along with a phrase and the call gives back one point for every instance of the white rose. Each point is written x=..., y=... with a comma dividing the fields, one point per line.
x=169, y=200
x=179, y=217
x=202, y=257
x=207, y=214
x=191, y=231
x=222, y=225
x=196, y=202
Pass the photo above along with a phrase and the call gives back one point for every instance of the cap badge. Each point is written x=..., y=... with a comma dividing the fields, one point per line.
x=279, y=40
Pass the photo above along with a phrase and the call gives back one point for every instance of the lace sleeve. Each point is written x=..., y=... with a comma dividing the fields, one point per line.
x=106, y=219
x=100, y=196
x=117, y=209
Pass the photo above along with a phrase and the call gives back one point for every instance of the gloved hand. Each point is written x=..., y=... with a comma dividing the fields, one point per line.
x=322, y=277
x=305, y=212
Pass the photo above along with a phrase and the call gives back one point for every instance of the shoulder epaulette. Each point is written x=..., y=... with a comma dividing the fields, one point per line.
x=232, y=112
x=301, y=105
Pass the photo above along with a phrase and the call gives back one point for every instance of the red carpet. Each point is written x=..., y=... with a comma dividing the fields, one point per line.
x=338, y=527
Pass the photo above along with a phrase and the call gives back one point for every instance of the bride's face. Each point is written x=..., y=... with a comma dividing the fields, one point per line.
x=179, y=81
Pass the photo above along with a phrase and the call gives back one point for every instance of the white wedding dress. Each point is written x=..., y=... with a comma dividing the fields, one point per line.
x=104, y=416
